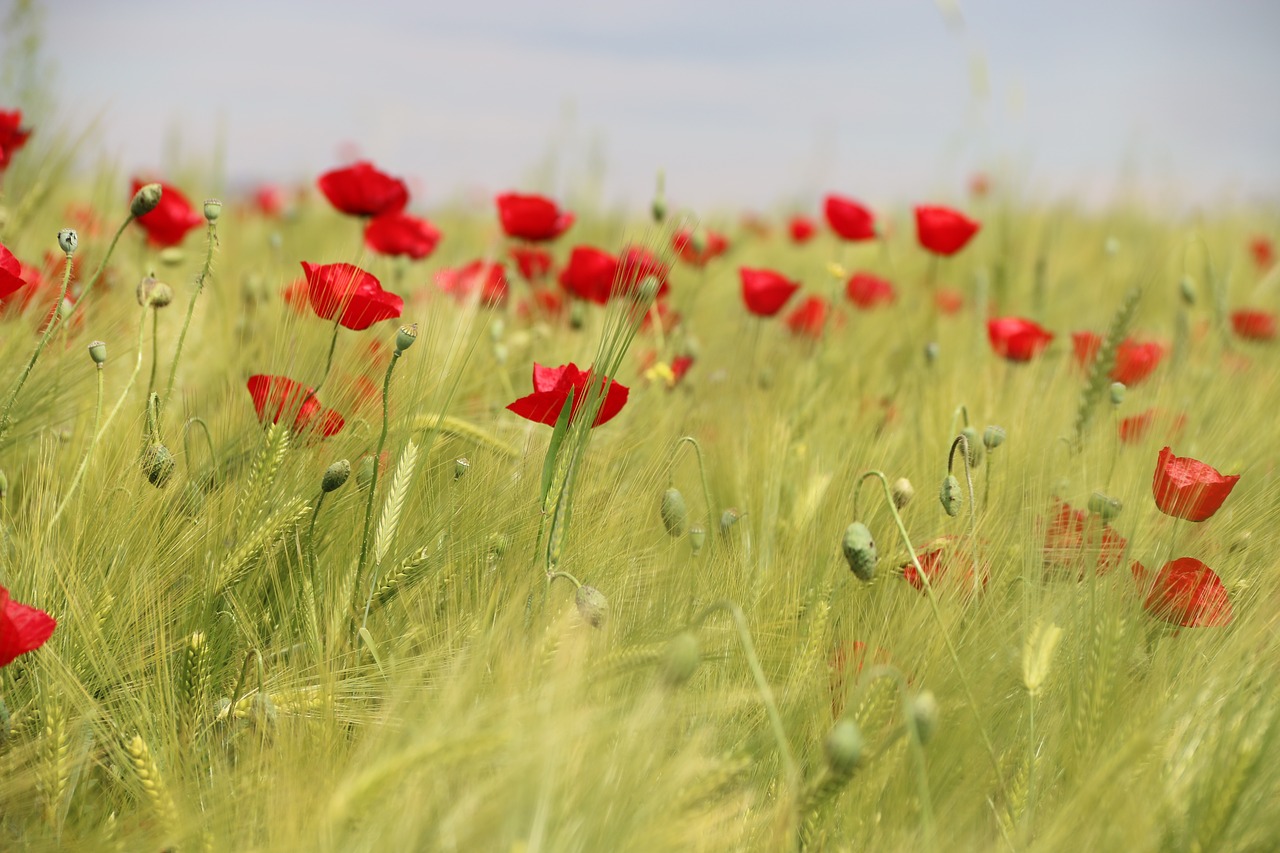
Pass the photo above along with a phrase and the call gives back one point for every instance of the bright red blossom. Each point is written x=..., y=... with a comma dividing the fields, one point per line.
x=269, y=199
x=12, y=135
x=697, y=251
x=490, y=279
x=279, y=399
x=867, y=291
x=944, y=557
x=1186, y=592
x=362, y=190
x=634, y=266
x=765, y=291
x=809, y=319
x=22, y=628
x=1254, y=325
x=949, y=301
x=849, y=219
x=801, y=228
x=551, y=389
x=1263, y=251
x=1017, y=339
x=11, y=274
x=1135, y=360
x=1187, y=488
x=171, y=219
x=345, y=288
x=532, y=217
x=534, y=264
x=942, y=230
x=589, y=274
x=398, y=233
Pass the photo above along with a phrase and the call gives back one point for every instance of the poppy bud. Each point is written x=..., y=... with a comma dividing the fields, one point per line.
x=1187, y=289
x=660, y=200
x=648, y=290
x=461, y=466
x=992, y=437
x=577, y=314
x=146, y=290
x=1117, y=393
x=931, y=352
x=172, y=256
x=1105, y=506
x=158, y=463
x=364, y=474
x=949, y=494
x=681, y=661
x=843, y=747
x=262, y=711
x=902, y=492
x=98, y=352
x=68, y=240
x=924, y=715
x=212, y=208
x=860, y=551
x=728, y=519
x=145, y=200
x=592, y=605
x=973, y=448
x=697, y=538
x=335, y=476
x=406, y=336
x=675, y=514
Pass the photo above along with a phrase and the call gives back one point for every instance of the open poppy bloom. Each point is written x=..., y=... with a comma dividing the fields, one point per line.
x=697, y=250
x=809, y=318
x=279, y=399
x=1135, y=360
x=361, y=190
x=22, y=628
x=1017, y=339
x=1186, y=592
x=551, y=388
x=867, y=291
x=534, y=264
x=398, y=233
x=942, y=230
x=849, y=219
x=1254, y=325
x=1136, y=427
x=765, y=291
x=1078, y=542
x=944, y=558
x=635, y=265
x=801, y=229
x=12, y=135
x=11, y=274
x=488, y=278
x=1187, y=488
x=349, y=290
x=589, y=274
x=534, y=218
x=171, y=219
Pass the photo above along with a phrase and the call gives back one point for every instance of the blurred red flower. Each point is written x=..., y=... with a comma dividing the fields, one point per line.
x=942, y=230
x=551, y=387
x=939, y=559
x=269, y=199
x=636, y=264
x=534, y=218
x=948, y=301
x=1135, y=360
x=279, y=399
x=534, y=264
x=849, y=219
x=697, y=251
x=809, y=318
x=801, y=228
x=398, y=233
x=12, y=135
x=362, y=190
x=171, y=219
x=11, y=273
x=979, y=185
x=22, y=628
x=1254, y=325
x=488, y=278
x=1263, y=251
x=1077, y=541
x=867, y=291
x=345, y=288
x=1187, y=488
x=589, y=274
x=765, y=291
x=1017, y=339
x=1186, y=592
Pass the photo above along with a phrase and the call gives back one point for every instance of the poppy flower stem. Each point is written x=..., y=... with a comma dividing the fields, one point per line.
x=333, y=346
x=211, y=240
x=155, y=354
x=208, y=438
x=553, y=575
x=962, y=442
x=702, y=472
x=44, y=340
x=373, y=487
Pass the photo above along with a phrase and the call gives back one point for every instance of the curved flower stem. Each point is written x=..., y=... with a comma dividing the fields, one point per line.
x=97, y=433
x=962, y=411
x=311, y=537
x=373, y=488
x=44, y=340
x=762, y=686
x=553, y=575
x=702, y=472
x=211, y=239
x=208, y=439
x=333, y=345
x=963, y=441
x=937, y=615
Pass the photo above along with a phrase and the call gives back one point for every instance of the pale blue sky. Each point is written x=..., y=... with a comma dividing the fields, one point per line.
x=743, y=103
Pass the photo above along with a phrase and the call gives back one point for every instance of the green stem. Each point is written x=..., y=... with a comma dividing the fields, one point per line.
x=553, y=575
x=702, y=472
x=211, y=238
x=373, y=488
x=962, y=441
x=44, y=340
x=311, y=537
x=333, y=345
x=208, y=439
x=155, y=358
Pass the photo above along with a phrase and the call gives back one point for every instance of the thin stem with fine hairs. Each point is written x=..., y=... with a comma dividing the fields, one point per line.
x=373, y=488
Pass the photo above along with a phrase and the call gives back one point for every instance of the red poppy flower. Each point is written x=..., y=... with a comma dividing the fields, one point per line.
x=1135, y=427
x=361, y=190
x=849, y=219
x=171, y=219
x=1262, y=249
x=1078, y=541
x=295, y=295
x=867, y=291
x=11, y=274
x=634, y=266
x=551, y=387
x=675, y=371
x=542, y=301
x=345, y=288
x=532, y=217
x=939, y=559
x=589, y=274
x=1017, y=339
x=12, y=135
x=534, y=264
x=1186, y=592
x=269, y=199
x=1254, y=325
x=278, y=399
x=949, y=301
x=488, y=278
x=1135, y=360
x=942, y=230
x=801, y=228
x=697, y=252
x=846, y=663
x=22, y=628
x=809, y=319
x=1187, y=488
x=765, y=291
x=398, y=233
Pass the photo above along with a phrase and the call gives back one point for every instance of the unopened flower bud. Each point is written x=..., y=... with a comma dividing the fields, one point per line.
x=681, y=660
x=648, y=290
x=973, y=450
x=145, y=290
x=992, y=437
x=697, y=538
x=335, y=476
x=1187, y=289
x=577, y=314
x=406, y=336
x=931, y=351
x=860, y=551
x=158, y=464
x=924, y=715
x=728, y=519
x=461, y=466
x=1104, y=505
x=68, y=240
x=902, y=492
x=98, y=352
x=675, y=514
x=843, y=747
x=949, y=494
x=1117, y=393
x=659, y=208
x=212, y=209
x=592, y=605
x=145, y=200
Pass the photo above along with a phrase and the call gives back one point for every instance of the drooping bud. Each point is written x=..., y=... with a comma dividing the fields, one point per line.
x=902, y=492
x=728, y=519
x=973, y=450
x=697, y=538
x=949, y=494
x=98, y=352
x=843, y=747
x=592, y=605
x=860, y=551
x=924, y=715
x=158, y=464
x=153, y=293
x=681, y=660
x=145, y=200
x=406, y=336
x=212, y=209
x=675, y=514
x=992, y=437
x=335, y=476
x=1117, y=393
x=1104, y=505
x=461, y=466
x=68, y=240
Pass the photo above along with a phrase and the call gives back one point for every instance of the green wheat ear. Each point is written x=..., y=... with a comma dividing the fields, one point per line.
x=1099, y=380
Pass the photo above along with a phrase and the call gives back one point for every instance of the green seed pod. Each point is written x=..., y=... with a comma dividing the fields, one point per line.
x=681, y=660
x=1117, y=393
x=728, y=519
x=461, y=466
x=158, y=464
x=992, y=437
x=98, y=352
x=675, y=513
x=68, y=239
x=697, y=538
x=949, y=494
x=1104, y=505
x=924, y=715
x=335, y=476
x=843, y=747
x=364, y=474
x=212, y=209
x=973, y=448
x=406, y=336
x=146, y=291
x=592, y=605
x=145, y=200
x=860, y=551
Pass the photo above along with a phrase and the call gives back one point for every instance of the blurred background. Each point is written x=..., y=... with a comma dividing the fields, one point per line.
x=742, y=103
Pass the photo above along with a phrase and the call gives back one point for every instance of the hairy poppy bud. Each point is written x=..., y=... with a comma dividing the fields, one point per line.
x=860, y=551
x=648, y=290
x=592, y=605
x=335, y=475
x=406, y=336
x=973, y=450
x=902, y=492
x=153, y=293
x=675, y=514
x=158, y=463
x=212, y=209
x=145, y=199
x=683, y=655
x=1117, y=393
x=843, y=747
x=992, y=437
x=98, y=352
x=949, y=494
x=924, y=715
x=577, y=314
x=68, y=240
x=1105, y=506
x=461, y=466
x=697, y=538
